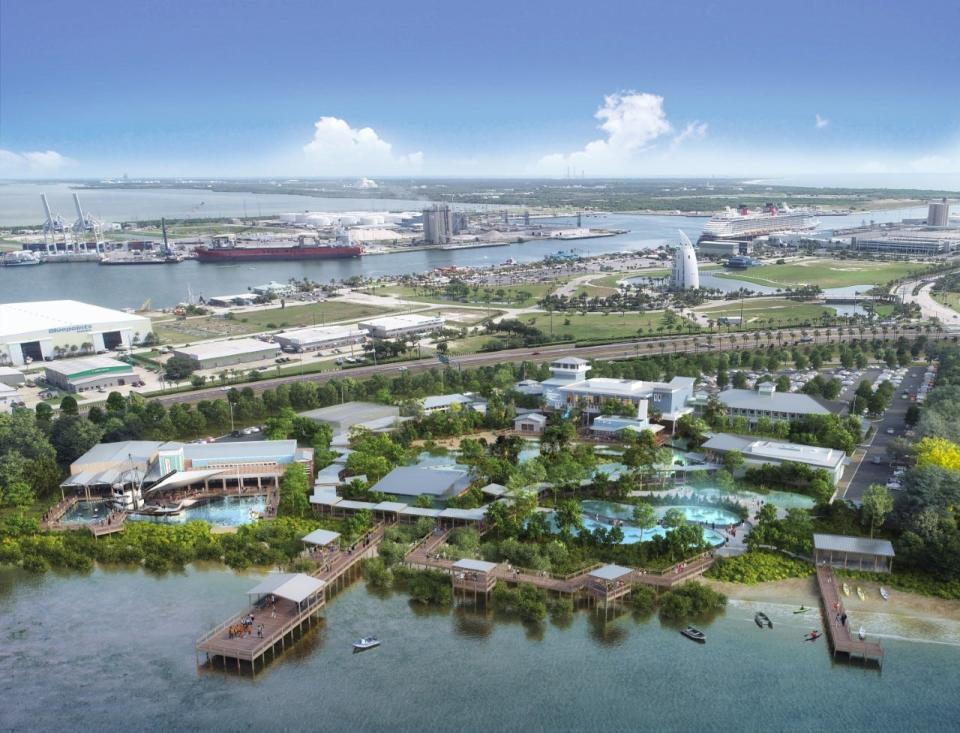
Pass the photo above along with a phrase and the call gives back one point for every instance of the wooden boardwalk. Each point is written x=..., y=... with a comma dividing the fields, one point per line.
x=838, y=634
x=282, y=623
x=424, y=557
x=113, y=523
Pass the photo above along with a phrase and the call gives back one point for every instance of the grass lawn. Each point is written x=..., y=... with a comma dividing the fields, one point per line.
x=589, y=327
x=826, y=273
x=611, y=280
x=270, y=319
x=951, y=300
x=768, y=311
x=522, y=295
x=594, y=291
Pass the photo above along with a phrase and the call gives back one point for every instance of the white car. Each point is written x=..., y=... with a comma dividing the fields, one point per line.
x=891, y=431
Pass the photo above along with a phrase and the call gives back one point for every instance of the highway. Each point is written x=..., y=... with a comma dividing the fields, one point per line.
x=619, y=350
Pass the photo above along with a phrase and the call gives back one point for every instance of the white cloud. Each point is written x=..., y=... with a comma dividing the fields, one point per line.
x=633, y=122
x=821, y=122
x=338, y=149
x=873, y=166
x=39, y=161
x=695, y=130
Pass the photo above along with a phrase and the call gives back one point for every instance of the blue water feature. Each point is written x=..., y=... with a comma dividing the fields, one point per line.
x=693, y=513
x=612, y=470
x=780, y=499
x=229, y=511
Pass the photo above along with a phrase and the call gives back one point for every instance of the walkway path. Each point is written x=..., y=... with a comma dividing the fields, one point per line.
x=838, y=628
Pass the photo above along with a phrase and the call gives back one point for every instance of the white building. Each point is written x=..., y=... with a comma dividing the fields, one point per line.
x=8, y=398
x=766, y=402
x=448, y=402
x=319, y=338
x=405, y=325
x=47, y=329
x=533, y=423
x=92, y=372
x=774, y=452
x=686, y=272
x=11, y=377
x=216, y=354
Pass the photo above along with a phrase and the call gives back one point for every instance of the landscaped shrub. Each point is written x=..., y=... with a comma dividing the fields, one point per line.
x=758, y=567
x=690, y=599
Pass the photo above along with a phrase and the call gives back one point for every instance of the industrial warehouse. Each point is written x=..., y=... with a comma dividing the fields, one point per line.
x=49, y=329
x=406, y=325
x=228, y=353
x=314, y=339
x=94, y=372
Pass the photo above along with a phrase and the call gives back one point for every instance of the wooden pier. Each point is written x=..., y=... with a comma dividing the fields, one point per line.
x=284, y=622
x=838, y=633
x=113, y=523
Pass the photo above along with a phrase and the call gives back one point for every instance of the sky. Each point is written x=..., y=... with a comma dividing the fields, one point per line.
x=463, y=89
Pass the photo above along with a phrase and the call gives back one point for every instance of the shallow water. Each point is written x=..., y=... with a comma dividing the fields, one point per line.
x=114, y=651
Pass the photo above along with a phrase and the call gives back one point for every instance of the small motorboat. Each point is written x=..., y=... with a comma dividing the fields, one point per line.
x=860, y=594
x=884, y=593
x=812, y=636
x=694, y=634
x=846, y=589
x=367, y=642
x=802, y=609
x=862, y=633
x=761, y=619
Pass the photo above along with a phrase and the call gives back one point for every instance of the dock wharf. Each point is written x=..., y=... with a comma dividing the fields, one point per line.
x=838, y=633
x=113, y=523
x=285, y=621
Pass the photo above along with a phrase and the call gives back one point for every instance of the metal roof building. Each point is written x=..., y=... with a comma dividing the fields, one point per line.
x=319, y=337
x=392, y=326
x=414, y=481
x=859, y=553
x=767, y=402
x=763, y=451
x=91, y=372
x=38, y=330
x=215, y=354
x=343, y=417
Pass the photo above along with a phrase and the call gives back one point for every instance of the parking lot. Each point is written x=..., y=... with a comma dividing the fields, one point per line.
x=888, y=428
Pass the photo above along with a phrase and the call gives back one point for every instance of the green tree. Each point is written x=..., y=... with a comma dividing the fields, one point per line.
x=72, y=436
x=644, y=516
x=178, y=367
x=294, y=488
x=876, y=505
x=733, y=460
x=68, y=405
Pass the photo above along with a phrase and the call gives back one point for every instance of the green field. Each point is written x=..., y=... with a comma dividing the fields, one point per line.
x=611, y=280
x=769, y=312
x=951, y=300
x=589, y=327
x=515, y=296
x=826, y=273
x=271, y=319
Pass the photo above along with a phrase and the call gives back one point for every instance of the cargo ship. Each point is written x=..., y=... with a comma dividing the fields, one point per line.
x=226, y=249
x=746, y=224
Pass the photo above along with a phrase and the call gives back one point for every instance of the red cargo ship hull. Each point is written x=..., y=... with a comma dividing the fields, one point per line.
x=264, y=254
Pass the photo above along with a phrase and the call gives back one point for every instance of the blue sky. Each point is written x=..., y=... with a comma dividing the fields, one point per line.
x=462, y=88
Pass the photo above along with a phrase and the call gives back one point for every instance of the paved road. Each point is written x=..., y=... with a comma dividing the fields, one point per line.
x=621, y=350
x=867, y=472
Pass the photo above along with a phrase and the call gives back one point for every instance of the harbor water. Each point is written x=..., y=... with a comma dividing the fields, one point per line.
x=113, y=651
x=167, y=285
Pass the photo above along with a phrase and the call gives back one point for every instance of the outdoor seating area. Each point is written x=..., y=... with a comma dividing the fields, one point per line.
x=853, y=553
x=474, y=576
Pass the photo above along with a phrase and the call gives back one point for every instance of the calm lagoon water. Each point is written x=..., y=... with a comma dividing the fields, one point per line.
x=228, y=511
x=114, y=651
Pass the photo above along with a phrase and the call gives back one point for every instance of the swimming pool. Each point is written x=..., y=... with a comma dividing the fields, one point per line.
x=780, y=499
x=693, y=513
x=229, y=511
x=632, y=534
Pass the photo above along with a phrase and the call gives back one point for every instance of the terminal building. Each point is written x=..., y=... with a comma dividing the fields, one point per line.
x=45, y=330
x=407, y=325
x=89, y=373
x=319, y=338
x=216, y=354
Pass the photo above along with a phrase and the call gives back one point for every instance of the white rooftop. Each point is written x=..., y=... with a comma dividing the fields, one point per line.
x=610, y=572
x=214, y=349
x=66, y=315
x=409, y=320
x=322, y=333
x=480, y=566
x=296, y=587
x=321, y=537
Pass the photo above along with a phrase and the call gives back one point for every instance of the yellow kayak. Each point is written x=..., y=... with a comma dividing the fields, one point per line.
x=846, y=589
x=860, y=594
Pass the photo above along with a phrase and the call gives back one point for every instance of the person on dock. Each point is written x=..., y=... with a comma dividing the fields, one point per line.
x=260, y=631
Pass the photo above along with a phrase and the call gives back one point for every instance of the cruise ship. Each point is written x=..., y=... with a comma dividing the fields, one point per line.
x=741, y=223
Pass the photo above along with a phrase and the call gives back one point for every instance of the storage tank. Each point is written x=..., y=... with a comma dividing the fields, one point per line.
x=288, y=218
x=347, y=220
